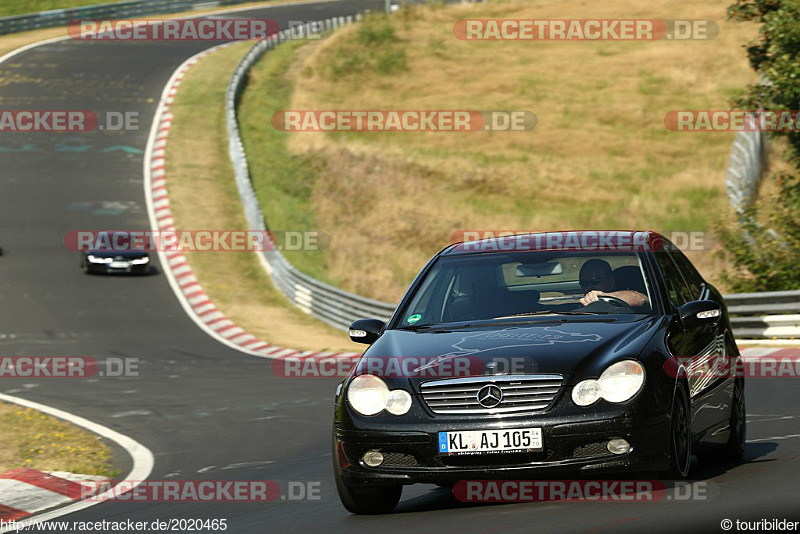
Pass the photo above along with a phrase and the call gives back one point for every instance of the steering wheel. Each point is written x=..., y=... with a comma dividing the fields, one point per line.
x=615, y=301
x=609, y=301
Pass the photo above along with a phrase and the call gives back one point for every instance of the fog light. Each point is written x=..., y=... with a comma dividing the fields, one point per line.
x=373, y=458
x=619, y=446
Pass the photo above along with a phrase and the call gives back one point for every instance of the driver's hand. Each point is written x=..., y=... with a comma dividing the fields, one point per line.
x=591, y=296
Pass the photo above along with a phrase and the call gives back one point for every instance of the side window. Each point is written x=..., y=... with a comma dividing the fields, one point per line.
x=677, y=289
x=427, y=300
x=690, y=274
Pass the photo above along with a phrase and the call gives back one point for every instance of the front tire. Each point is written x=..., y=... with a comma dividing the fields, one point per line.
x=734, y=449
x=680, y=437
x=366, y=500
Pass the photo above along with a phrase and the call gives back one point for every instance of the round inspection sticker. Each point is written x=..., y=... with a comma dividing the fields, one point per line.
x=414, y=318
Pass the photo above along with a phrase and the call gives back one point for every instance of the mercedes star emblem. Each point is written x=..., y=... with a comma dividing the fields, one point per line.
x=490, y=396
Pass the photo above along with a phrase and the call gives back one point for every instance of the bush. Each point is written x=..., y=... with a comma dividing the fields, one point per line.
x=766, y=246
x=767, y=259
x=374, y=46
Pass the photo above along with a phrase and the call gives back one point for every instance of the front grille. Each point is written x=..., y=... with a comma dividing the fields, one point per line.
x=398, y=459
x=520, y=394
x=591, y=449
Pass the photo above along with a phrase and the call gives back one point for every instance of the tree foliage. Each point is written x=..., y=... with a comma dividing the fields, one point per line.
x=765, y=242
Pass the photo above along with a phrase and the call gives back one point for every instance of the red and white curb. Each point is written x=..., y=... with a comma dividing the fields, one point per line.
x=188, y=290
x=26, y=491
x=175, y=265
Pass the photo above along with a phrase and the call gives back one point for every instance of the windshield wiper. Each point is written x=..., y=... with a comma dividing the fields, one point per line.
x=548, y=312
x=414, y=327
x=418, y=327
x=443, y=328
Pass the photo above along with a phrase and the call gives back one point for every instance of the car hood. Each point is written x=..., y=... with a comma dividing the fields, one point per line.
x=575, y=348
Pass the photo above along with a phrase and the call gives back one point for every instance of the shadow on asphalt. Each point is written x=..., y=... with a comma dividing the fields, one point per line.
x=706, y=471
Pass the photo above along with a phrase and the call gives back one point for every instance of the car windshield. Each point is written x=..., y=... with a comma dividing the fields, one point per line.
x=518, y=285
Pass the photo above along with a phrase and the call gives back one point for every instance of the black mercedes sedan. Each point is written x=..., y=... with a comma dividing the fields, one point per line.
x=568, y=354
x=117, y=253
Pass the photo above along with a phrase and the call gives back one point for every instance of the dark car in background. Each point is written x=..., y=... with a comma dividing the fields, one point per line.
x=557, y=386
x=123, y=255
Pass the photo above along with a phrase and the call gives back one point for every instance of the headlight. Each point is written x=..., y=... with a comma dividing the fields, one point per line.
x=95, y=259
x=621, y=381
x=586, y=392
x=399, y=402
x=140, y=261
x=369, y=395
x=618, y=383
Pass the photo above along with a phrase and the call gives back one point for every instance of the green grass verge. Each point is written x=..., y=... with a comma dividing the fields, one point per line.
x=283, y=182
x=203, y=195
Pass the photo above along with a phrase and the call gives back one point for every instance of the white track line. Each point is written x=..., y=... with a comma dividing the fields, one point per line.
x=151, y=209
x=266, y=5
x=155, y=148
x=190, y=294
x=143, y=459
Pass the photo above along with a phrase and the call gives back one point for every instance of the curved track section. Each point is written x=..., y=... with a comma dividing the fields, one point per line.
x=209, y=412
x=141, y=458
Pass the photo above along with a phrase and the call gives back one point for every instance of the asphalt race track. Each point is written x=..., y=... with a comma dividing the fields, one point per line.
x=206, y=411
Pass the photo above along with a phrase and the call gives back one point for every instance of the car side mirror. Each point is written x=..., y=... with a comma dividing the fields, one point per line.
x=366, y=331
x=700, y=312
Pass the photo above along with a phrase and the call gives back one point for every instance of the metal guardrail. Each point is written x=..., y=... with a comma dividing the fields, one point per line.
x=756, y=315
x=775, y=314
x=744, y=168
x=118, y=10
x=339, y=308
x=327, y=303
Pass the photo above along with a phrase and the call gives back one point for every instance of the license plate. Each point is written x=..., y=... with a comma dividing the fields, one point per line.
x=490, y=441
x=119, y=265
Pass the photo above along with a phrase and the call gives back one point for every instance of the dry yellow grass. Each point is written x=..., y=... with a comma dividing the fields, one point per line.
x=203, y=196
x=9, y=43
x=37, y=441
x=599, y=157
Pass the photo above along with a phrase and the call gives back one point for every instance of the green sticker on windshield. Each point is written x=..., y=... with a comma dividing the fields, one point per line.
x=414, y=318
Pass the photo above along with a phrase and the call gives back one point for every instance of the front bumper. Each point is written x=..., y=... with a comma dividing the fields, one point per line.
x=104, y=268
x=573, y=447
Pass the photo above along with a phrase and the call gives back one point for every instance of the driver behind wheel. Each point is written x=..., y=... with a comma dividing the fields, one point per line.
x=597, y=279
